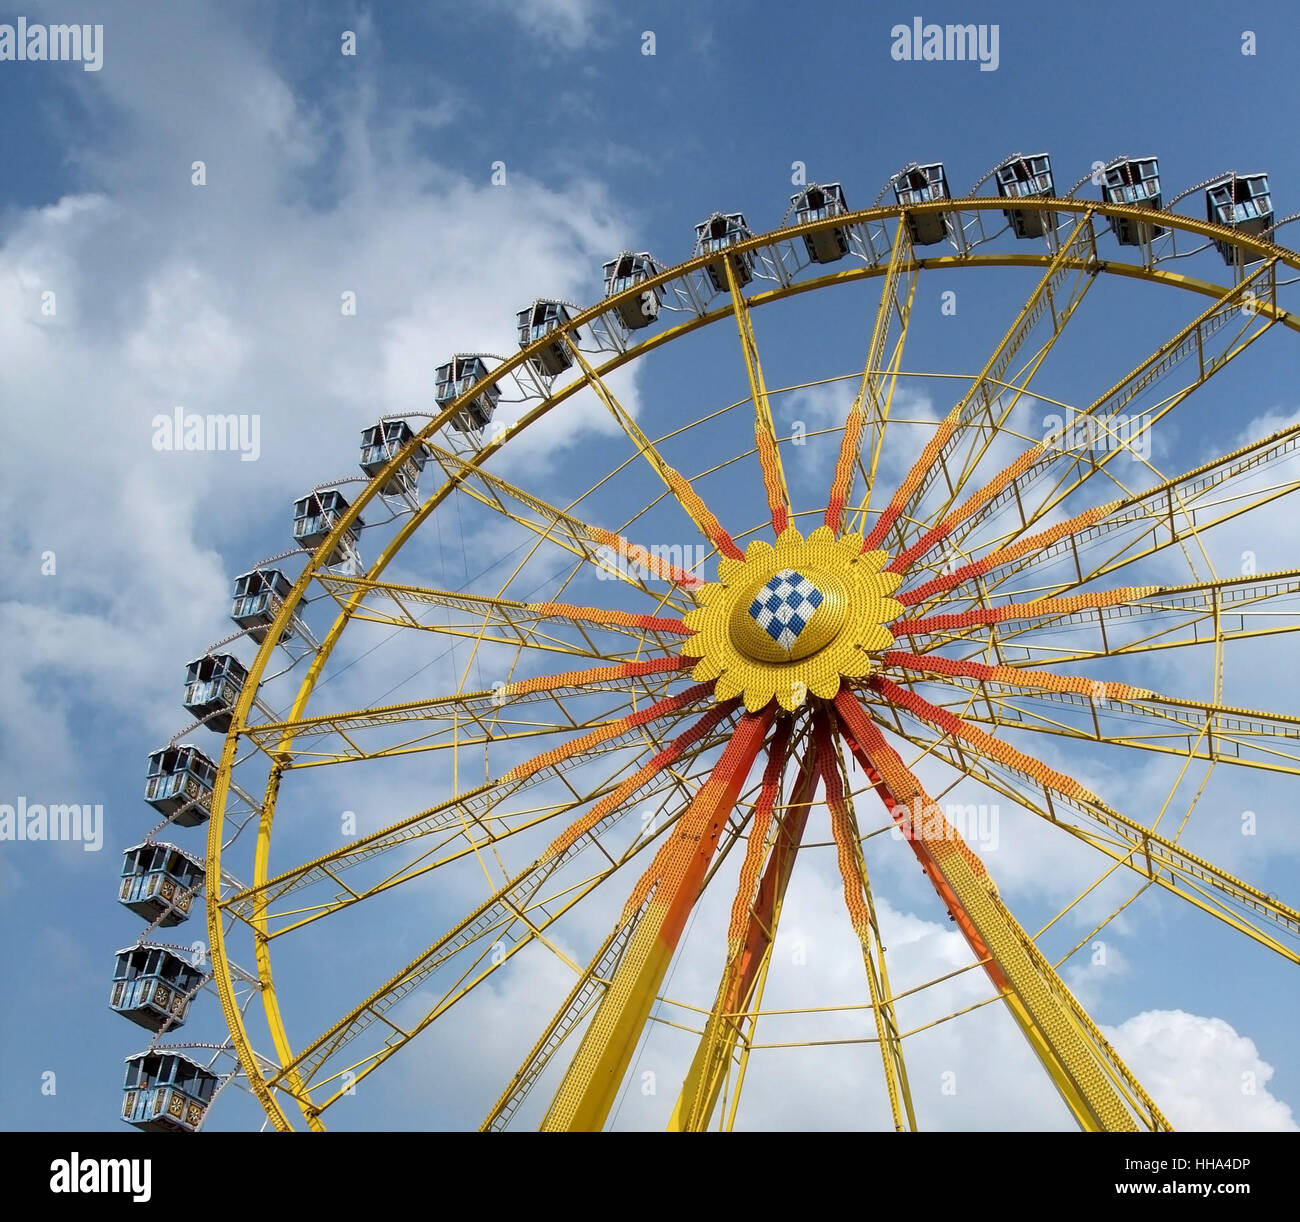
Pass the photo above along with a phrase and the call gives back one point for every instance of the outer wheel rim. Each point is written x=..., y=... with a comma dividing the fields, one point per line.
x=1254, y=247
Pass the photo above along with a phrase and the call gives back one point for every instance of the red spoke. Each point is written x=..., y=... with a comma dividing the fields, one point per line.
x=979, y=617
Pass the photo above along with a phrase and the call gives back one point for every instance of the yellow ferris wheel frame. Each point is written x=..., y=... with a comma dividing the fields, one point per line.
x=1096, y=1102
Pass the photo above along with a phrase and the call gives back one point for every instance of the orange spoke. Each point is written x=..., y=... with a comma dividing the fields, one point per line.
x=612, y=801
x=769, y=462
x=918, y=816
x=869, y=390
x=641, y=557
x=674, y=480
x=936, y=534
x=597, y=674
x=985, y=616
x=844, y=466
x=1015, y=676
x=1005, y=555
x=842, y=829
x=1004, y=753
x=614, y=729
x=668, y=892
x=621, y=619
x=759, y=827
x=695, y=507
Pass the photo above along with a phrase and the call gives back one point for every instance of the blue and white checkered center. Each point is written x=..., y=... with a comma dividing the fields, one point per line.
x=785, y=606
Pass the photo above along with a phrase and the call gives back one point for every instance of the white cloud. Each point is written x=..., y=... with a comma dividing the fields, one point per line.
x=570, y=24
x=1202, y=1074
x=226, y=298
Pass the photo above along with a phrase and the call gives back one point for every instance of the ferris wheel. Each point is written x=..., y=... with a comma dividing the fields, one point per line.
x=671, y=648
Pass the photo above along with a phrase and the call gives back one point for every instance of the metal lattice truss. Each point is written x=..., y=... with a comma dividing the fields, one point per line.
x=1018, y=608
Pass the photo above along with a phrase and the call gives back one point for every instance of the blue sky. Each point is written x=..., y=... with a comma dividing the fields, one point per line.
x=371, y=174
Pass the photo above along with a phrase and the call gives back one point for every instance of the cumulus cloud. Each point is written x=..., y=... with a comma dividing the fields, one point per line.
x=1202, y=1073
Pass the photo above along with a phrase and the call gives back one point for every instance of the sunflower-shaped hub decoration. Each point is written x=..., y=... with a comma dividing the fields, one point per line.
x=792, y=620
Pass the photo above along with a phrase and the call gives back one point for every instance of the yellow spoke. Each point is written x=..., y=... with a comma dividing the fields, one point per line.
x=562, y=527
x=476, y=806
x=668, y=891
x=1079, y=253
x=511, y=902
x=676, y=483
x=896, y=296
x=1146, y=721
x=1095, y=1084
x=1155, y=857
x=1226, y=608
x=857, y=898
x=755, y=913
x=769, y=458
x=1168, y=513
x=1009, y=487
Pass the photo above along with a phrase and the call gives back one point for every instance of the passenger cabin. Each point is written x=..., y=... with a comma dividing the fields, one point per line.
x=315, y=516
x=1242, y=202
x=212, y=685
x=621, y=274
x=922, y=184
x=717, y=233
x=166, y=1092
x=537, y=322
x=153, y=986
x=1136, y=183
x=258, y=597
x=180, y=781
x=458, y=377
x=380, y=444
x=159, y=882
x=1027, y=178
x=816, y=203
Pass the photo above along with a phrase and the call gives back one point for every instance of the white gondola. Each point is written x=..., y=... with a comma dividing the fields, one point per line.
x=717, y=233
x=380, y=443
x=159, y=882
x=1242, y=202
x=153, y=986
x=212, y=685
x=458, y=377
x=166, y=1092
x=315, y=516
x=1135, y=182
x=921, y=184
x=1027, y=178
x=622, y=273
x=258, y=597
x=815, y=203
x=538, y=321
x=180, y=780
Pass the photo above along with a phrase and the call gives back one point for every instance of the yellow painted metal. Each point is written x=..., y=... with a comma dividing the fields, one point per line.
x=857, y=605
x=1094, y=1083
x=875, y=396
x=724, y=1028
x=754, y=372
x=1157, y=858
x=857, y=888
x=586, y=1095
x=1077, y=253
x=222, y=972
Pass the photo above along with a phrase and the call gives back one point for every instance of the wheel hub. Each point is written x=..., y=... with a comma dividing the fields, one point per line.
x=793, y=620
